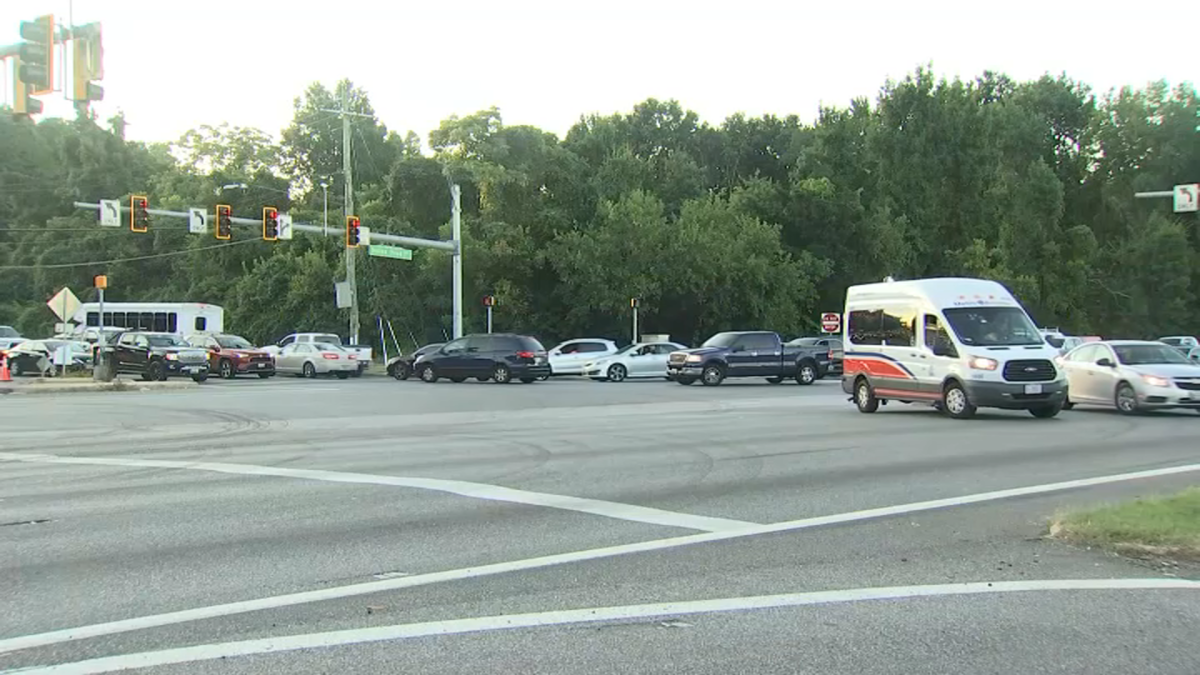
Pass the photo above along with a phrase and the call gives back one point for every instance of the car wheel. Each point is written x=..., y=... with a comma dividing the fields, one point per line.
x=501, y=374
x=955, y=402
x=227, y=370
x=343, y=375
x=400, y=371
x=1126, y=399
x=1045, y=412
x=864, y=396
x=356, y=373
x=775, y=380
x=617, y=373
x=711, y=376
x=1067, y=404
x=200, y=377
x=807, y=374
x=428, y=374
x=263, y=376
x=543, y=377
x=529, y=380
x=155, y=372
x=686, y=380
x=456, y=380
x=310, y=371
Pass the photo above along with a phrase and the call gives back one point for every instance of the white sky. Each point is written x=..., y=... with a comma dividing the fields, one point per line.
x=171, y=65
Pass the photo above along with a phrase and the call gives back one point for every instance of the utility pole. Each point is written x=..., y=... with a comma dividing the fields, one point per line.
x=456, y=234
x=349, y=211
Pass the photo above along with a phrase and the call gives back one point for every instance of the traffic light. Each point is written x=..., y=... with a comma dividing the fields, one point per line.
x=87, y=64
x=270, y=223
x=352, y=231
x=36, y=65
x=224, y=228
x=139, y=216
x=634, y=302
x=489, y=301
x=23, y=102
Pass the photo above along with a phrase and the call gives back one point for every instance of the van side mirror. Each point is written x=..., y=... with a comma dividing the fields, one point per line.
x=1106, y=362
x=1055, y=341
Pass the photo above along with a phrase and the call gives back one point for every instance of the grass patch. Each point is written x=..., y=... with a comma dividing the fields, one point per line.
x=1163, y=526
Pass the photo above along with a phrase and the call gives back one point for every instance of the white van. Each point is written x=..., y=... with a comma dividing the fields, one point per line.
x=957, y=343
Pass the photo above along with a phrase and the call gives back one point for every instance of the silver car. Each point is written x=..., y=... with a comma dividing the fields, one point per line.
x=310, y=359
x=1131, y=375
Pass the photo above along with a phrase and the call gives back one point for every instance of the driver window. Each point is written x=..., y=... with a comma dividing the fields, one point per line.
x=937, y=339
x=455, y=346
x=141, y=341
x=645, y=350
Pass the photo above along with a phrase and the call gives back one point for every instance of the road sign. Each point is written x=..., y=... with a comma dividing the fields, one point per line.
x=110, y=212
x=342, y=293
x=284, y=226
x=831, y=322
x=385, y=251
x=1186, y=197
x=364, y=236
x=197, y=221
x=64, y=304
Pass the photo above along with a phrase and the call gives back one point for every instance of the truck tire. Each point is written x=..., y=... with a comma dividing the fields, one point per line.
x=864, y=396
x=806, y=373
x=685, y=380
x=712, y=375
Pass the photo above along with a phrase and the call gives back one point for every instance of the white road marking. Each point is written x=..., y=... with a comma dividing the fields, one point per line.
x=365, y=588
x=276, y=645
x=597, y=507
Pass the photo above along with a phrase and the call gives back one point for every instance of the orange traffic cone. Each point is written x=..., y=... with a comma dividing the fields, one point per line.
x=4, y=374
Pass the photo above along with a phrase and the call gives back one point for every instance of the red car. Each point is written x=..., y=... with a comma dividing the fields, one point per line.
x=232, y=355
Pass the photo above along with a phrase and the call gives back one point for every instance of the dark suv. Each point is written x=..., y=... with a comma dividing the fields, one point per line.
x=156, y=356
x=498, y=356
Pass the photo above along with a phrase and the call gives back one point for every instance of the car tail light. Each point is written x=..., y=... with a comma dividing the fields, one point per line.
x=353, y=357
x=331, y=357
x=525, y=355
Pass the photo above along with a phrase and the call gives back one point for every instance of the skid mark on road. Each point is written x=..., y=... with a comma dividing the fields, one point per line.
x=291, y=643
x=305, y=597
x=619, y=511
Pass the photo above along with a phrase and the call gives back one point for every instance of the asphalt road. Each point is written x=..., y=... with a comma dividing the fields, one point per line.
x=287, y=526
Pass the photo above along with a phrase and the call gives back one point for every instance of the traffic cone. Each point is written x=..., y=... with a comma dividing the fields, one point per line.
x=4, y=374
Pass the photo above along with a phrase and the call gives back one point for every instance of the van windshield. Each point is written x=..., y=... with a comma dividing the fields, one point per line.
x=992, y=326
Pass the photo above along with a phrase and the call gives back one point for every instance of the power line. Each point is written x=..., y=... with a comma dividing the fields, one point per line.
x=122, y=260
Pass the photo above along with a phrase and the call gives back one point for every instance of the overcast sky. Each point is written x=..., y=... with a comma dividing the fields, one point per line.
x=171, y=65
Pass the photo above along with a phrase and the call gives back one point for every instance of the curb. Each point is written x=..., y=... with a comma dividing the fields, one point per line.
x=89, y=387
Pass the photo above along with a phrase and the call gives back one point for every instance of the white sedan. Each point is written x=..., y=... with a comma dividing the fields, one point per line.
x=643, y=359
x=310, y=359
x=1131, y=375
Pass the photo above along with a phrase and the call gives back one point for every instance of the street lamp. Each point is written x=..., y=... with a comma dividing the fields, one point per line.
x=325, y=193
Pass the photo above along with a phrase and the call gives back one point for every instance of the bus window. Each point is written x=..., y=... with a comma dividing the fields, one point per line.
x=201, y=323
x=146, y=321
x=160, y=322
x=93, y=319
x=172, y=321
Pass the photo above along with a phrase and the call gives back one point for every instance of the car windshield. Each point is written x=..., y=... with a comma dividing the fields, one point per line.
x=233, y=342
x=165, y=341
x=326, y=347
x=721, y=340
x=8, y=332
x=1144, y=355
x=993, y=326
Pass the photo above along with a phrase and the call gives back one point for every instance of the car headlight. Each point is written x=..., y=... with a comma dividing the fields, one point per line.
x=694, y=358
x=984, y=363
x=1156, y=381
x=172, y=357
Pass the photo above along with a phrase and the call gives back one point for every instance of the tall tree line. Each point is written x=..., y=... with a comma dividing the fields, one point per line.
x=758, y=222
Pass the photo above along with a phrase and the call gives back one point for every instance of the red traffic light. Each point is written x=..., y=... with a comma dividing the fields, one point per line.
x=139, y=216
x=270, y=231
x=352, y=232
x=224, y=225
x=489, y=301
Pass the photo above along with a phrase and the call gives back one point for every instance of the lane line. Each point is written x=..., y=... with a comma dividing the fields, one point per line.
x=291, y=643
x=365, y=588
x=596, y=507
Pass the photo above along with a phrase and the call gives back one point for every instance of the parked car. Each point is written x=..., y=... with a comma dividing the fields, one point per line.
x=956, y=343
x=499, y=357
x=1184, y=343
x=362, y=353
x=310, y=359
x=570, y=357
x=832, y=360
x=233, y=355
x=401, y=367
x=746, y=354
x=36, y=357
x=1132, y=376
x=644, y=359
x=9, y=337
x=157, y=356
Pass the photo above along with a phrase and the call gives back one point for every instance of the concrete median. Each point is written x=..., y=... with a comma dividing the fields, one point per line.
x=61, y=386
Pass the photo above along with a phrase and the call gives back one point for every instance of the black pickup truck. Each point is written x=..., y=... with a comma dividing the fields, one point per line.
x=157, y=356
x=748, y=354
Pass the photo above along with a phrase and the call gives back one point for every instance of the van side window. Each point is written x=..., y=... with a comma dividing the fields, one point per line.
x=899, y=326
x=863, y=327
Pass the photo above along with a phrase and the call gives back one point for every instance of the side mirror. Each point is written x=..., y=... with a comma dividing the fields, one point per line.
x=1106, y=362
x=737, y=348
x=1055, y=341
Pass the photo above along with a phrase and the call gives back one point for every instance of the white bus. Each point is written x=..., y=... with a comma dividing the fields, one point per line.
x=181, y=318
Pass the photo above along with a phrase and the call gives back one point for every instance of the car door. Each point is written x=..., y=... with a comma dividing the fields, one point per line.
x=743, y=358
x=1104, y=381
x=291, y=357
x=931, y=363
x=451, y=360
x=641, y=361
x=482, y=354
x=1080, y=366
x=654, y=364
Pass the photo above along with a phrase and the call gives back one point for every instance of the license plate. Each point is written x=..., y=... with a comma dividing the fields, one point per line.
x=262, y=365
x=1033, y=389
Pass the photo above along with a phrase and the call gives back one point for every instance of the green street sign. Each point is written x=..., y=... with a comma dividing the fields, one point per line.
x=385, y=251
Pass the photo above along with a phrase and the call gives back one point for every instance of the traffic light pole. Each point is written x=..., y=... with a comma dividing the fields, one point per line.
x=456, y=279
x=349, y=211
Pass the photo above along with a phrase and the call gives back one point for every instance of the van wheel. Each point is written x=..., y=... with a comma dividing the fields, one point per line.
x=864, y=396
x=1045, y=412
x=711, y=376
x=955, y=402
x=428, y=374
x=501, y=374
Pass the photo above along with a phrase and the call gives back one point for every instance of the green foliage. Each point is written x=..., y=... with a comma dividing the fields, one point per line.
x=758, y=222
